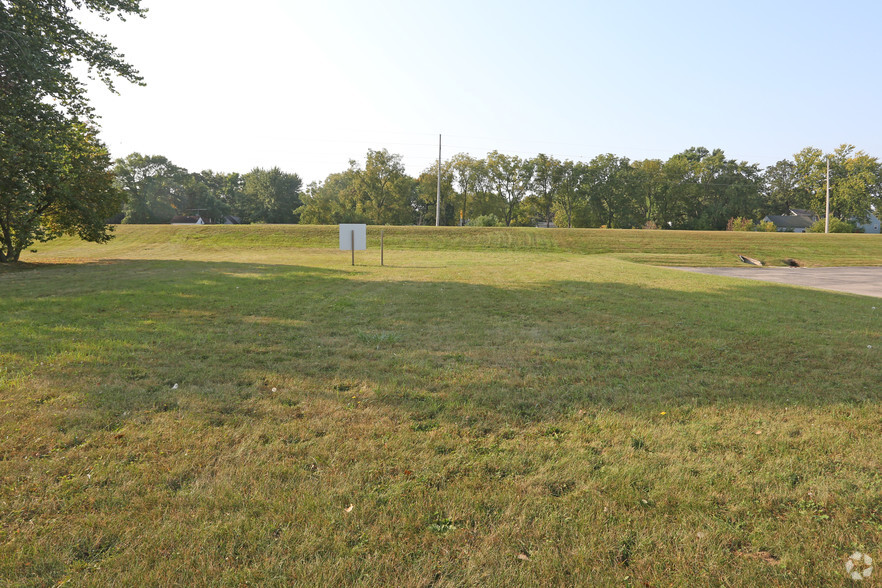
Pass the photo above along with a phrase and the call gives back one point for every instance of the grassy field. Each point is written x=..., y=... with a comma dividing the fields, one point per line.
x=240, y=406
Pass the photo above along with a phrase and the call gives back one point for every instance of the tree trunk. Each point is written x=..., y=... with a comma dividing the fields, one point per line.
x=10, y=254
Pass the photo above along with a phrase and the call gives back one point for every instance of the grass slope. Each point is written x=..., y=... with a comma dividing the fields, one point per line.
x=262, y=413
x=277, y=242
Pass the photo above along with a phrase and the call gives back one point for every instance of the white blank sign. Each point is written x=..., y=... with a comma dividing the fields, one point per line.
x=346, y=237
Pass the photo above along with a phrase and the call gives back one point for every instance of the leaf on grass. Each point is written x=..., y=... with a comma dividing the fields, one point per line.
x=523, y=556
x=349, y=508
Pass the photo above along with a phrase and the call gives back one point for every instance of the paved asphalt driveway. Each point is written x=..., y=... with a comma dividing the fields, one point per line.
x=856, y=280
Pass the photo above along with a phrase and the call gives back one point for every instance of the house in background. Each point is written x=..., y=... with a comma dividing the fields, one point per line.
x=187, y=220
x=797, y=221
x=804, y=212
x=871, y=226
x=800, y=221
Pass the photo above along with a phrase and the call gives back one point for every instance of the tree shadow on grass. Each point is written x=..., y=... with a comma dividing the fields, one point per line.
x=164, y=335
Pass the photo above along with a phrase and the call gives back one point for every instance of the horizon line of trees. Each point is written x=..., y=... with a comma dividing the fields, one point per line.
x=696, y=189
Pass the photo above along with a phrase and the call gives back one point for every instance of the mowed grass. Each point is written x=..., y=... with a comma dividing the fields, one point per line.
x=666, y=248
x=208, y=411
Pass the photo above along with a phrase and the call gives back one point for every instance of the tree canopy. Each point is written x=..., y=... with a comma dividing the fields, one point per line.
x=54, y=172
x=698, y=188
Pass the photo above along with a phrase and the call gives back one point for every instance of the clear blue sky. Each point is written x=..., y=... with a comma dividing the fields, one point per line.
x=308, y=85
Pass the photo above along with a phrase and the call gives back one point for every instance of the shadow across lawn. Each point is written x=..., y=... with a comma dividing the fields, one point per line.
x=164, y=335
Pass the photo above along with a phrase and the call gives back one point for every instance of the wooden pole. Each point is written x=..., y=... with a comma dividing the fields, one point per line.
x=381, y=246
x=353, y=247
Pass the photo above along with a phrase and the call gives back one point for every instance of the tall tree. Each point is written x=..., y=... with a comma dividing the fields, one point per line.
x=782, y=190
x=384, y=190
x=608, y=191
x=467, y=172
x=153, y=186
x=712, y=189
x=271, y=196
x=544, y=186
x=225, y=191
x=511, y=177
x=333, y=201
x=651, y=196
x=54, y=180
x=425, y=202
x=44, y=110
x=199, y=195
x=856, y=183
x=569, y=190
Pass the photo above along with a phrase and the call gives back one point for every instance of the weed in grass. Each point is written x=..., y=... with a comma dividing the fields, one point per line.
x=442, y=524
x=423, y=426
x=378, y=338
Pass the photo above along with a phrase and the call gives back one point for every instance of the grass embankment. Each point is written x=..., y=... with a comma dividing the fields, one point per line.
x=461, y=417
x=685, y=248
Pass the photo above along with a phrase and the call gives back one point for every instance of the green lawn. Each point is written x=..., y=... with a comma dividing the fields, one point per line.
x=239, y=405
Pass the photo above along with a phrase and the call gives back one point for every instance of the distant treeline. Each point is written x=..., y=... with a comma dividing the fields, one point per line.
x=695, y=189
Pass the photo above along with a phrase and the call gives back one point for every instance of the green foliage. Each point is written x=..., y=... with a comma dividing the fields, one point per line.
x=270, y=196
x=784, y=188
x=568, y=191
x=608, y=192
x=650, y=192
x=332, y=202
x=766, y=227
x=695, y=189
x=53, y=169
x=711, y=189
x=158, y=190
x=54, y=180
x=546, y=175
x=836, y=226
x=485, y=220
x=381, y=193
x=42, y=40
x=384, y=190
x=510, y=177
x=468, y=175
x=150, y=182
x=425, y=200
x=855, y=181
x=740, y=224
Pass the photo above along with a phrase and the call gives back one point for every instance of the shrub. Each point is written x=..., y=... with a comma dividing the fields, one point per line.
x=739, y=224
x=836, y=226
x=485, y=220
x=766, y=227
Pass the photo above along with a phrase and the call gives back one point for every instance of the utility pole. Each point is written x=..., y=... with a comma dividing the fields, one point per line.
x=827, y=218
x=438, y=198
